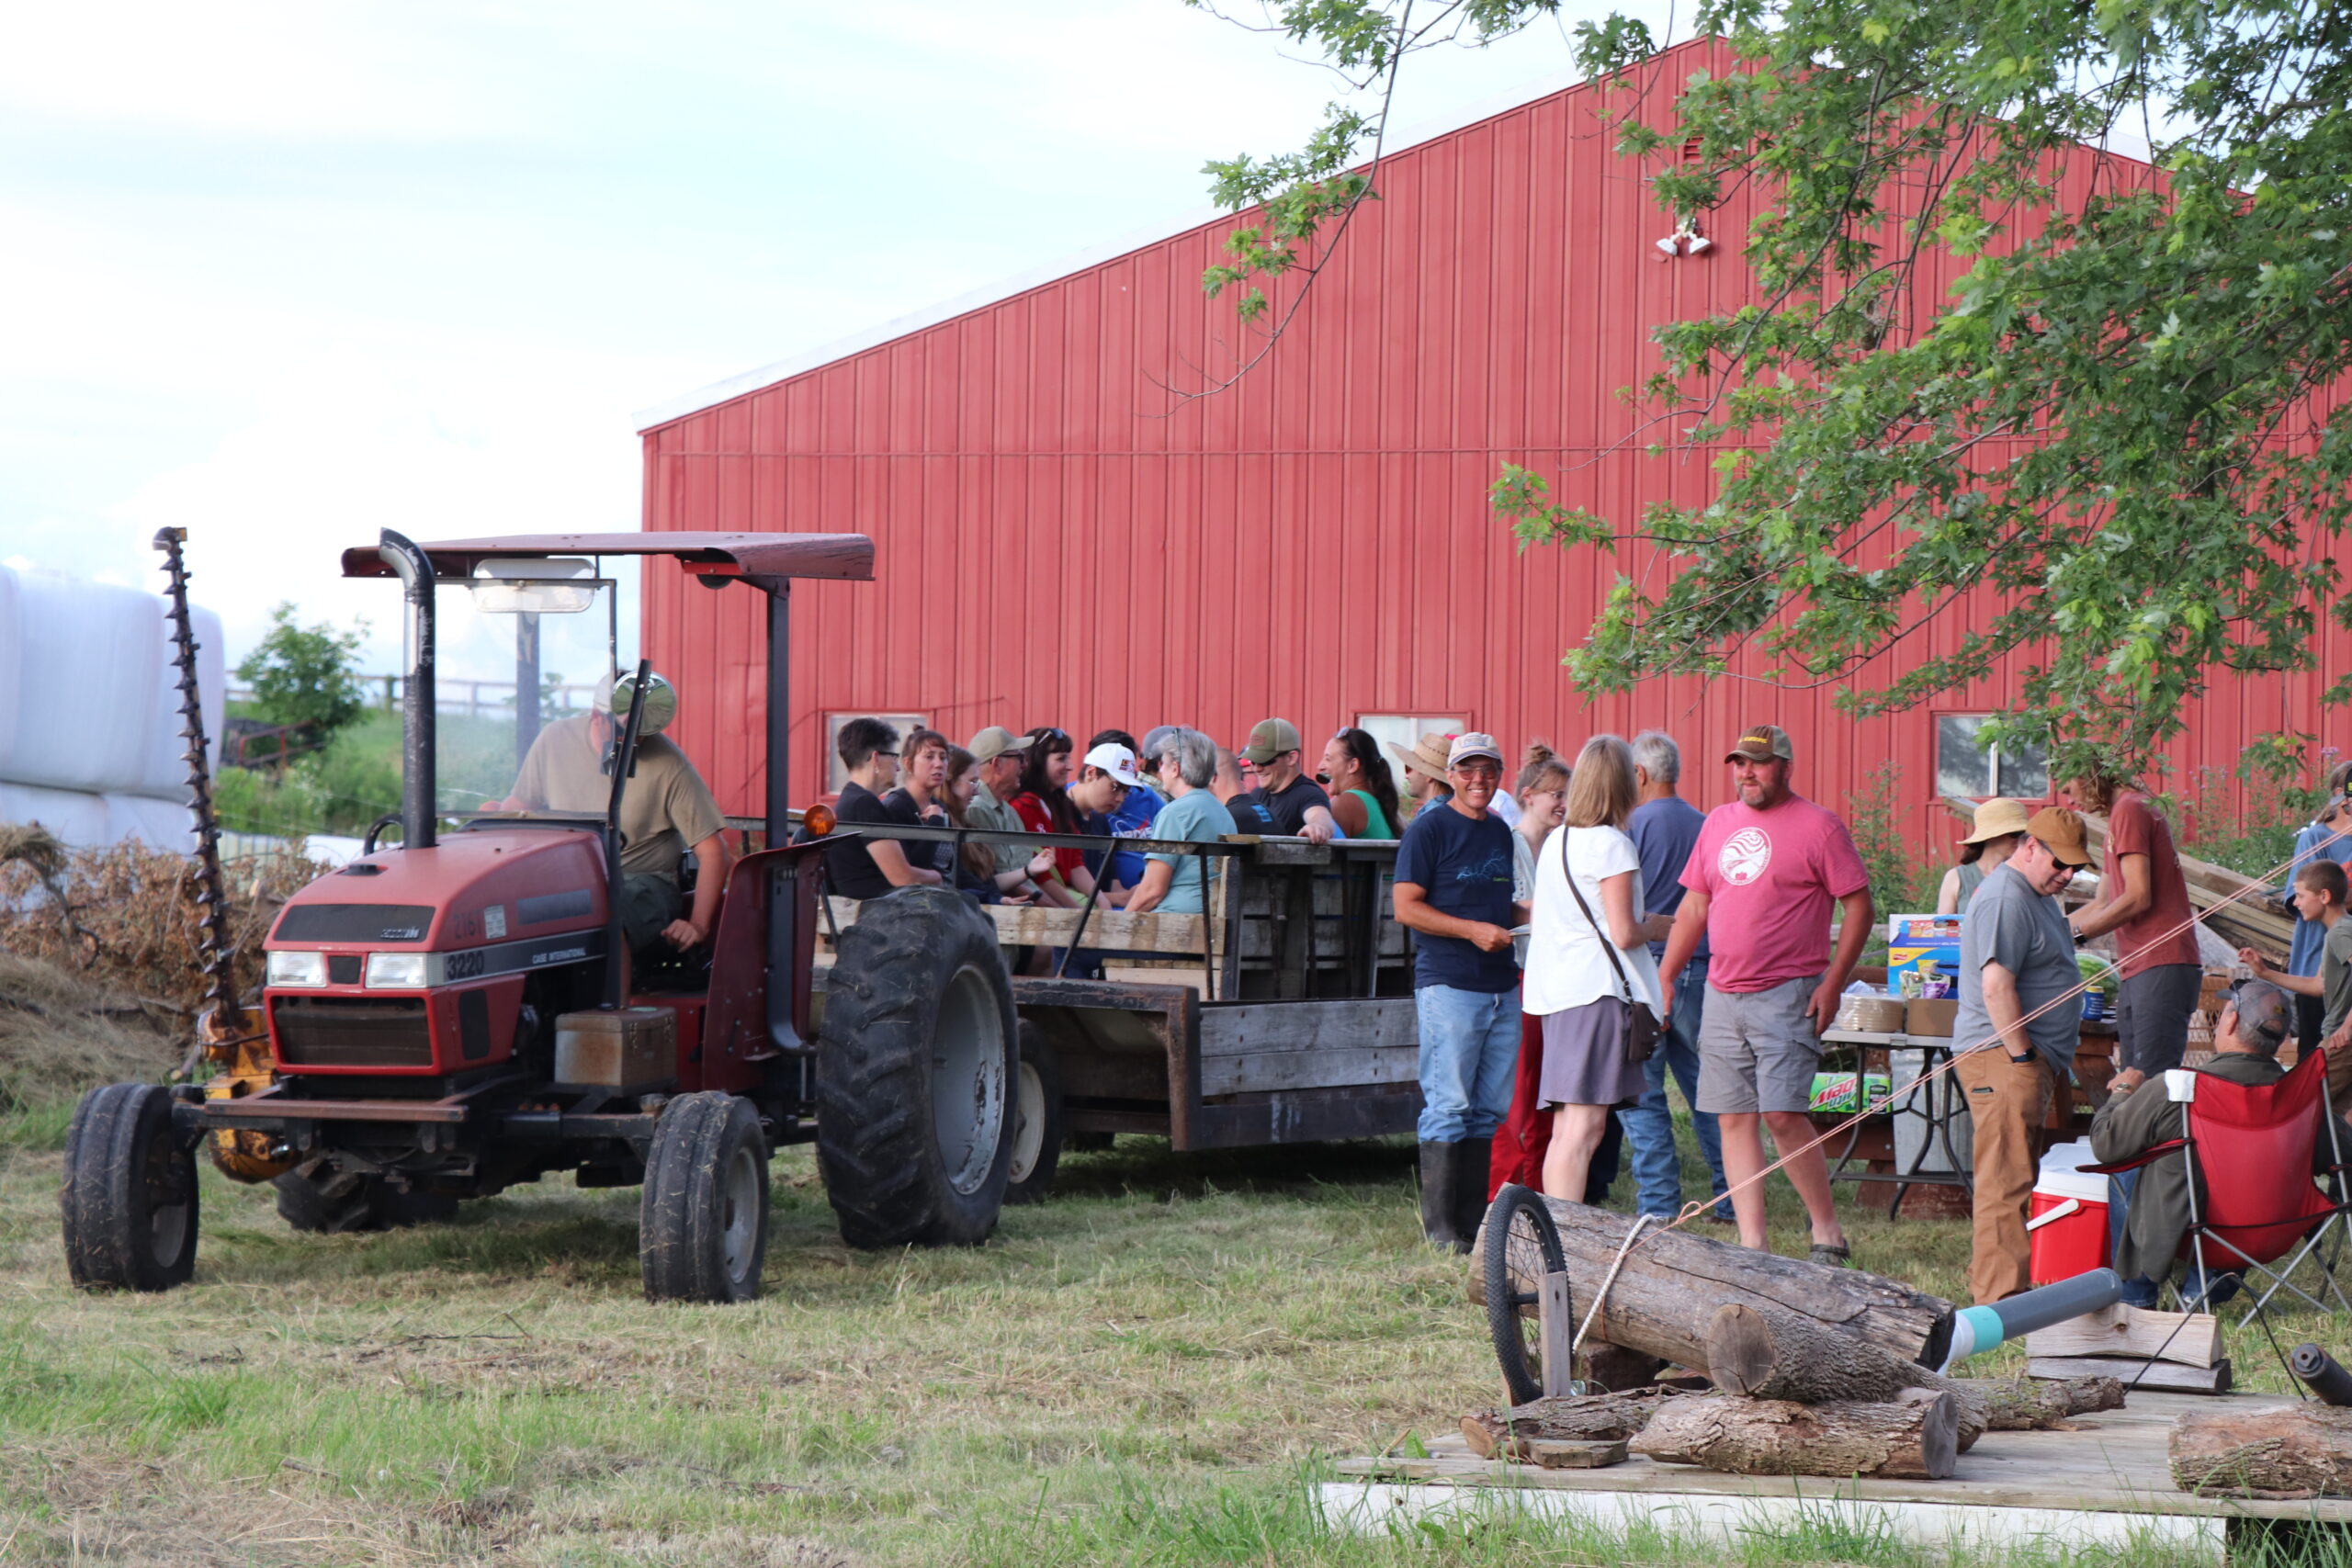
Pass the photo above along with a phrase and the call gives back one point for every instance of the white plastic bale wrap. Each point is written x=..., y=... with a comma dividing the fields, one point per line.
x=90, y=743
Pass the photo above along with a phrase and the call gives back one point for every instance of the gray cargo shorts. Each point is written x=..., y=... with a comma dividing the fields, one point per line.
x=1758, y=1050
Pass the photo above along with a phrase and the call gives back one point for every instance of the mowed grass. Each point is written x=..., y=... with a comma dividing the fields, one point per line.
x=1150, y=1369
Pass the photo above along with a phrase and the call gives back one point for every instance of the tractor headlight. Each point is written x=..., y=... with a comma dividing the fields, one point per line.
x=297, y=969
x=402, y=971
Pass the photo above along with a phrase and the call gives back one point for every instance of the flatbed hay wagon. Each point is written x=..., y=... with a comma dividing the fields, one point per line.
x=1282, y=1015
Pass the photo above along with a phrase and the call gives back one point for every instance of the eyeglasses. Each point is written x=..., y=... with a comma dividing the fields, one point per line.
x=892, y=755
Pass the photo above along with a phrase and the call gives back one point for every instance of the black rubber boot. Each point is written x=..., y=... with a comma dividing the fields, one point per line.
x=1476, y=1156
x=1440, y=1169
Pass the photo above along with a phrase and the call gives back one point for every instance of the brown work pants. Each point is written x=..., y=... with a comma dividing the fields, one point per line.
x=2008, y=1102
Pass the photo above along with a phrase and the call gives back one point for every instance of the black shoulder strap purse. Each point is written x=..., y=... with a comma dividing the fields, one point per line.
x=1641, y=1026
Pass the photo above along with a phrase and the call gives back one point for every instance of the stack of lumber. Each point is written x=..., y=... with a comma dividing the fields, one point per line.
x=2170, y=1352
x=2257, y=919
x=1817, y=1371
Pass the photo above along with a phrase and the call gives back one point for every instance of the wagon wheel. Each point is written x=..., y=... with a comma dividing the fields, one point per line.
x=1522, y=1246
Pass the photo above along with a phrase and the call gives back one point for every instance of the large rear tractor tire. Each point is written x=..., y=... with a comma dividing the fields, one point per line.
x=1037, y=1132
x=129, y=1198
x=915, y=1074
x=702, y=1217
x=331, y=1202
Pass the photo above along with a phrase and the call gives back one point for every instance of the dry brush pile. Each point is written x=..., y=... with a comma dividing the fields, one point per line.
x=99, y=976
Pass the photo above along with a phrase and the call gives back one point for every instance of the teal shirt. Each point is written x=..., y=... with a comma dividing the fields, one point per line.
x=1195, y=817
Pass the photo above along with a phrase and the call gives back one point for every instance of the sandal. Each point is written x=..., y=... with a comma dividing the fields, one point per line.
x=1838, y=1257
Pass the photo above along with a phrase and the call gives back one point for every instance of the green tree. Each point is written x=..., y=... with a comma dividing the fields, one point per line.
x=2165, y=354
x=305, y=674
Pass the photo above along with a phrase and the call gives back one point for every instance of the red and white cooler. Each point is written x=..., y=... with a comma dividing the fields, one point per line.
x=2066, y=1220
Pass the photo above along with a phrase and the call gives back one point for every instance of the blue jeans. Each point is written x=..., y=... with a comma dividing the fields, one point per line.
x=1469, y=1052
x=1649, y=1125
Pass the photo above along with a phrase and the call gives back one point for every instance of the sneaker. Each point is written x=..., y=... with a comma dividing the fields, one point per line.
x=2213, y=1291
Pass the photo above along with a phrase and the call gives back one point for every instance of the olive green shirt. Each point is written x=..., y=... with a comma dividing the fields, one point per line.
x=986, y=811
x=665, y=811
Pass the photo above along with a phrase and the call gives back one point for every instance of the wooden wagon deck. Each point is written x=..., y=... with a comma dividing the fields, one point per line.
x=2107, y=1485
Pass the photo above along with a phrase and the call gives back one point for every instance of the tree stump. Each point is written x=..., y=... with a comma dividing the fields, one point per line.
x=1914, y=1441
x=2298, y=1450
x=1586, y=1417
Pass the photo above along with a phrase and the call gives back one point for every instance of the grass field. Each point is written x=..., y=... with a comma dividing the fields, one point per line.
x=1146, y=1370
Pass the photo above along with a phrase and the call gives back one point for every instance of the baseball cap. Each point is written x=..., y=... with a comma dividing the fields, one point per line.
x=2061, y=831
x=1997, y=819
x=1116, y=761
x=1474, y=744
x=1270, y=740
x=994, y=742
x=1761, y=744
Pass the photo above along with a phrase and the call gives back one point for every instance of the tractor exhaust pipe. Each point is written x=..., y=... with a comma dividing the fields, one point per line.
x=419, y=788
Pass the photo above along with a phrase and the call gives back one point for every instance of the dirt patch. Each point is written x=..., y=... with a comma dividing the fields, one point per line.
x=60, y=1034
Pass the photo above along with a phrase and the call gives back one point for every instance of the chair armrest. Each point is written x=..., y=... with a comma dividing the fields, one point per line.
x=2136, y=1161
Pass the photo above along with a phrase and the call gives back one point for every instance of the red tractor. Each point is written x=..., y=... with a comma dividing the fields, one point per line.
x=453, y=1014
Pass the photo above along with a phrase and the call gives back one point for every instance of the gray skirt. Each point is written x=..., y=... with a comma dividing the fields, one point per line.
x=1584, y=1057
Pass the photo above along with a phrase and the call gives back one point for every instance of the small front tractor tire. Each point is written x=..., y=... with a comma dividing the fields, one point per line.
x=1037, y=1133
x=702, y=1217
x=342, y=1204
x=915, y=1070
x=129, y=1198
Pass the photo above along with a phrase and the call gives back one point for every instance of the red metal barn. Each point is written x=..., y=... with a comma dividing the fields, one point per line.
x=1061, y=540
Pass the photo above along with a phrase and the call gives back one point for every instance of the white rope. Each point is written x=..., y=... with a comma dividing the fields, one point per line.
x=1640, y=1223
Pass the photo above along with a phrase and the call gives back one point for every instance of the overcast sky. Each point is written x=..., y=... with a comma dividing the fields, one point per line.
x=286, y=273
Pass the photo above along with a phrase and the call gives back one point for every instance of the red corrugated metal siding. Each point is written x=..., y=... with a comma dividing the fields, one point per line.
x=1060, y=541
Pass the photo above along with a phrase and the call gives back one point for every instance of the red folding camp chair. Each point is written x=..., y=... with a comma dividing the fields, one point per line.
x=2251, y=1201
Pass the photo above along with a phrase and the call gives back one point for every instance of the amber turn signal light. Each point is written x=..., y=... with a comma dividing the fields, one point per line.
x=818, y=821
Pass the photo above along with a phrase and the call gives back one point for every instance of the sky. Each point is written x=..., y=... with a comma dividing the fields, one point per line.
x=283, y=274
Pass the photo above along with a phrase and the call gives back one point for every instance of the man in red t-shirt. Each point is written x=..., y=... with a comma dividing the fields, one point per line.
x=1760, y=880
x=2144, y=900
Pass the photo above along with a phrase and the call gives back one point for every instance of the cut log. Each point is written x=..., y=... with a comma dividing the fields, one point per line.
x=1672, y=1282
x=1916, y=1441
x=1766, y=1353
x=2155, y=1377
x=2193, y=1339
x=2022, y=1404
x=1586, y=1417
x=2298, y=1450
x=1572, y=1453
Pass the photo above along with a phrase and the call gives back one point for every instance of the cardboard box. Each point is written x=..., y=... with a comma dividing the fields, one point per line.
x=1843, y=1092
x=1930, y=1017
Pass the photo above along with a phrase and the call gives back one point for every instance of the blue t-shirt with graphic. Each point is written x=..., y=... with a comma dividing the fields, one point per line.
x=1133, y=820
x=1464, y=865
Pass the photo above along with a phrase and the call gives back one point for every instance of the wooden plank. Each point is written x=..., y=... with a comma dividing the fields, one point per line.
x=1556, y=1332
x=2193, y=1339
x=1306, y=1116
x=2162, y=1375
x=1020, y=925
x=1355, y=1023
x=1277, y=1070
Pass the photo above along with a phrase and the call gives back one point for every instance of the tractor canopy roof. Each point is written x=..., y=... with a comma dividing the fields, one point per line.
x=848, y=556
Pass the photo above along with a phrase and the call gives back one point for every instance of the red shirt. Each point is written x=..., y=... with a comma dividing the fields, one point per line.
x=1038, y=818
x=2136, y=827
x=1770, y=878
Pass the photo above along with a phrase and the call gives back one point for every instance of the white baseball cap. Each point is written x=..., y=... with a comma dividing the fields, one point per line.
x=1116, y=761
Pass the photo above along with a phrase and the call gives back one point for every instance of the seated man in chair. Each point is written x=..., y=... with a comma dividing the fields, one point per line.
x=2140, y=1114
x=665, y=811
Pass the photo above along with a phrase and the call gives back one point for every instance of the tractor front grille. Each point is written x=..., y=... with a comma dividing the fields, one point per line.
x=352, y=1031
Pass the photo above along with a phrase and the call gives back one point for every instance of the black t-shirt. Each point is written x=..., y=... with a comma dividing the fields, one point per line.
x=850, y=865
x=1280, y=812
x=934, y=857
x=1463, y=866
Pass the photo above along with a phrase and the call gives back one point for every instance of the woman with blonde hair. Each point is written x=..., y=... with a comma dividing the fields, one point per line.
x=1589, y=964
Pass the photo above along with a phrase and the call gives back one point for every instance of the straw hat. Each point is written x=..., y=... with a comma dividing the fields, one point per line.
x=1996, y=818
x=1427, y=757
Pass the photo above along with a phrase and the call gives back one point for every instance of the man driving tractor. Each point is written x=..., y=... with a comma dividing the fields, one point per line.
x=665, y=808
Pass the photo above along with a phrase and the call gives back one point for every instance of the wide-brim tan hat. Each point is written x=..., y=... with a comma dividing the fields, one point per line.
x=1427, y=756
x=1997, y=819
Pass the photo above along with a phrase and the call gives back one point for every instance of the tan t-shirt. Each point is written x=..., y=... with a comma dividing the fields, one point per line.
x=665, y=809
